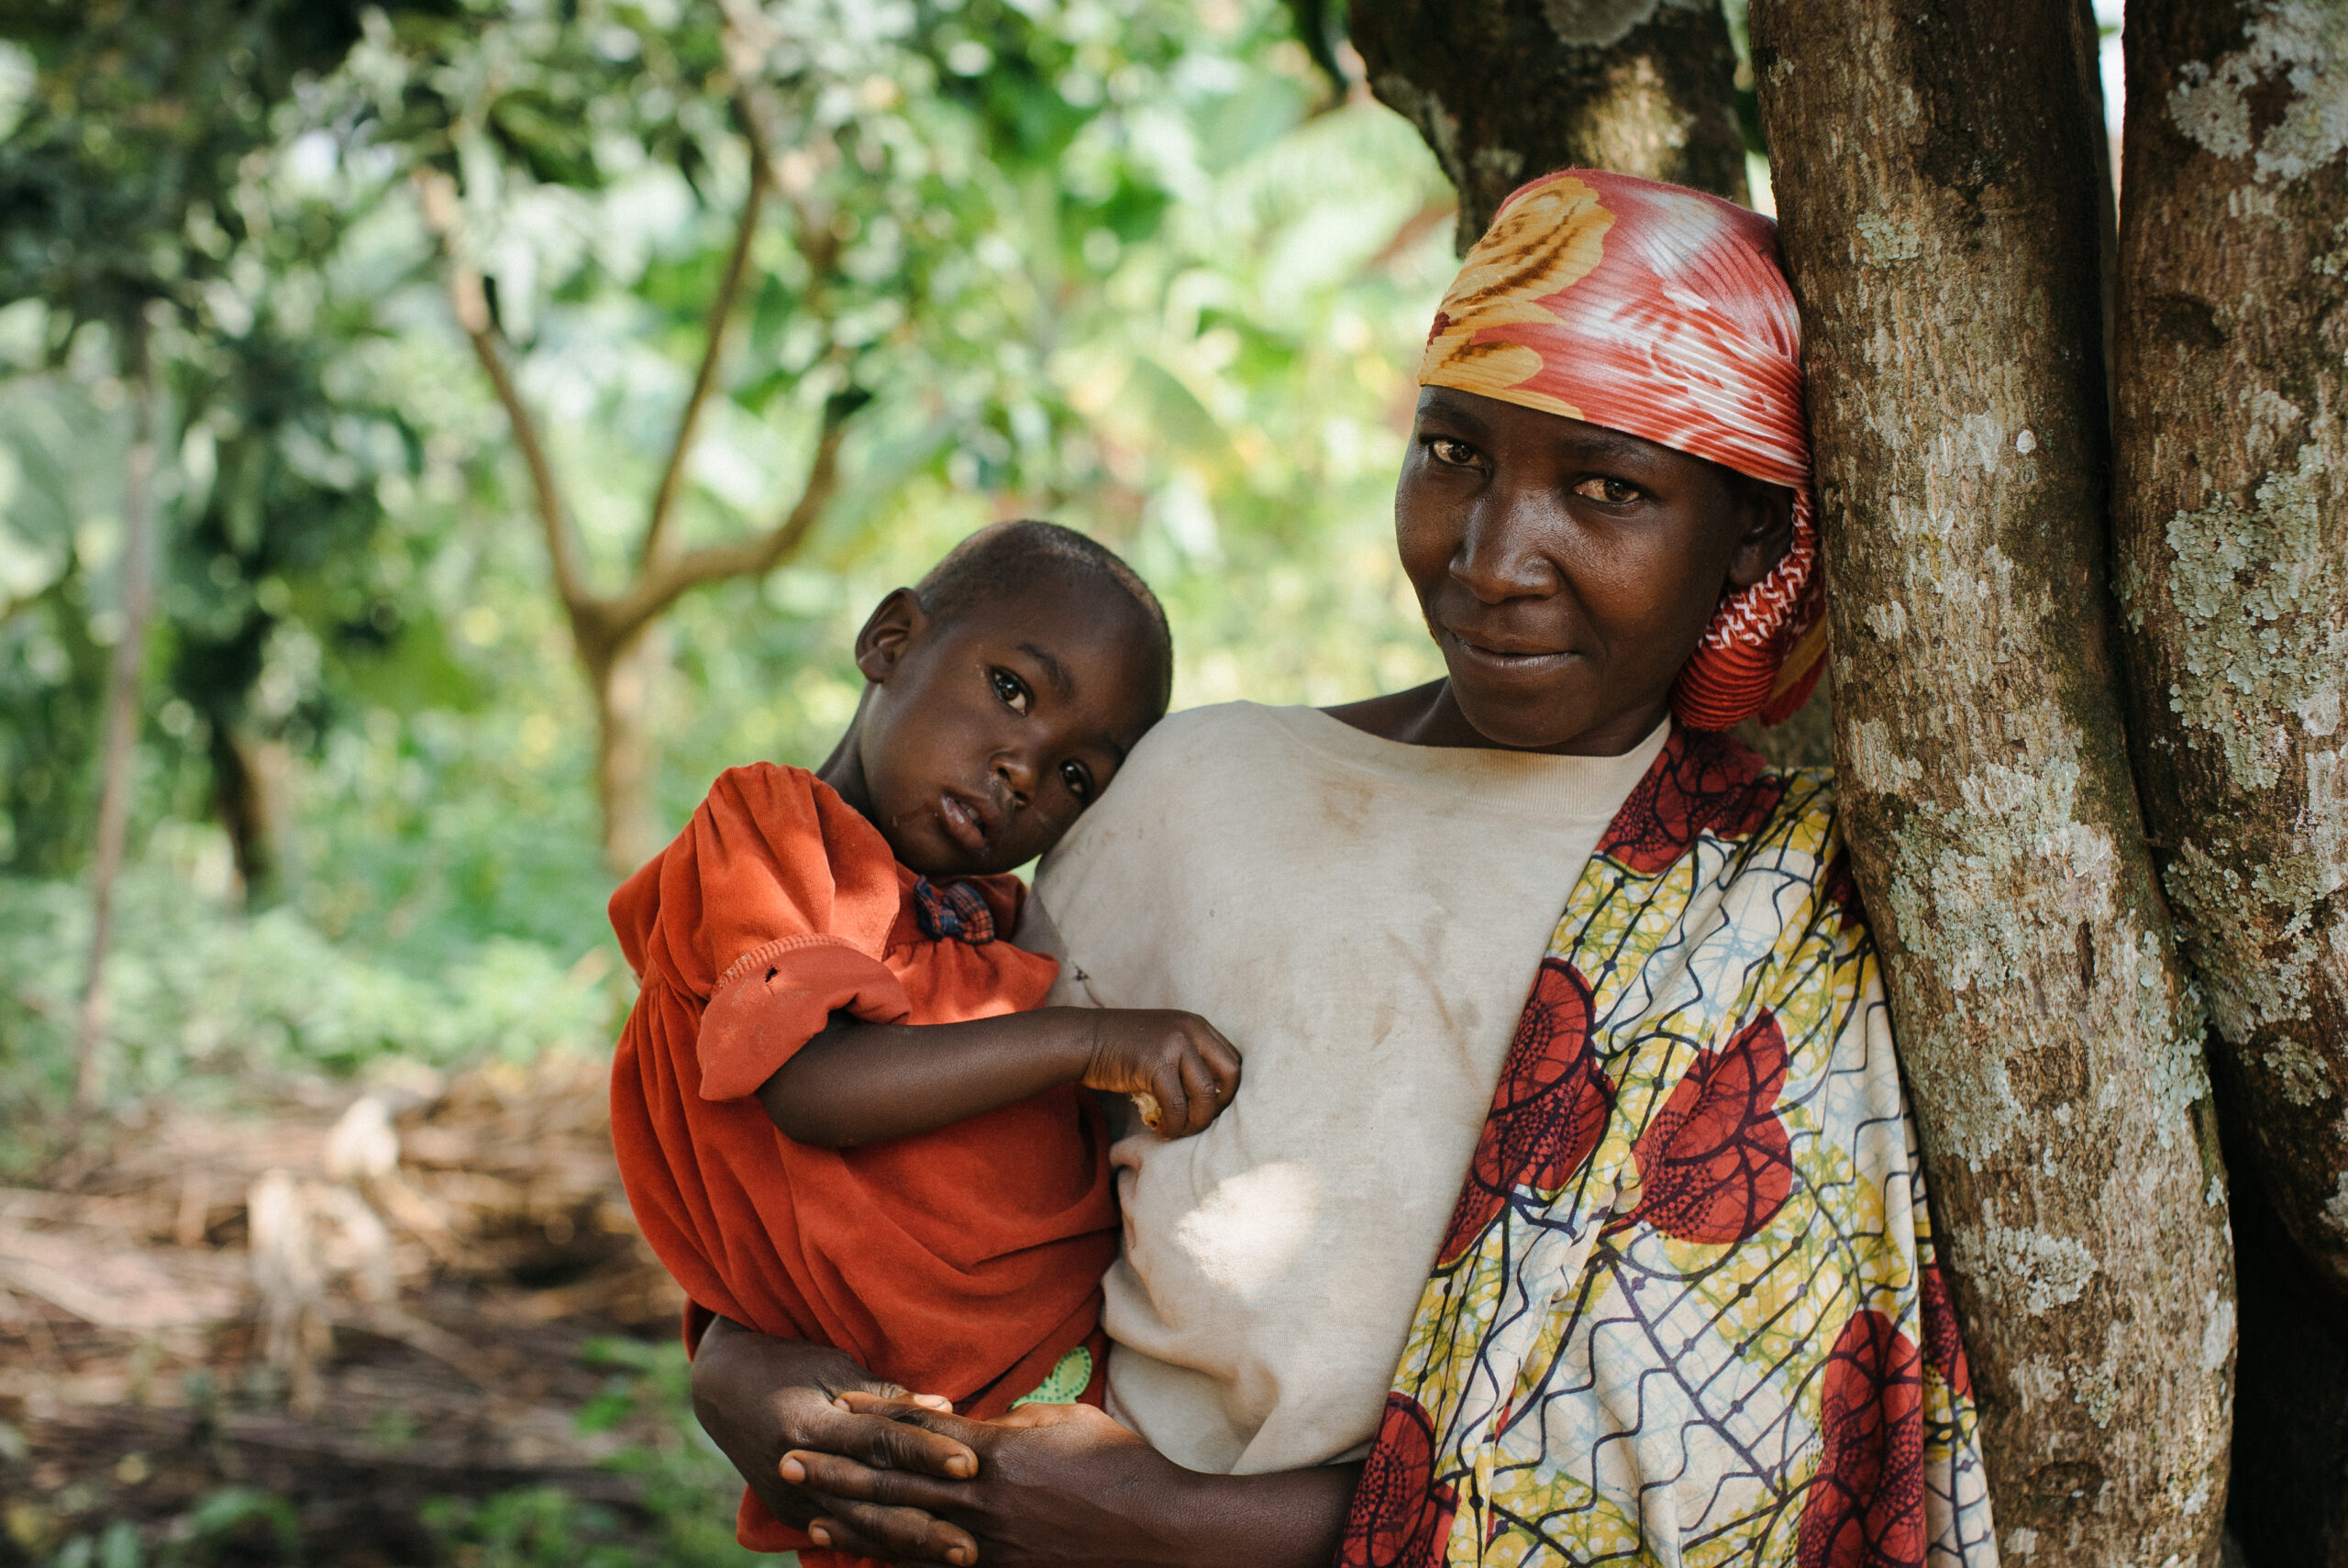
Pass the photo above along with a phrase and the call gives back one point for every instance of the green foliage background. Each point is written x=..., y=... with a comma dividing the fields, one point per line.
x=1139, y=266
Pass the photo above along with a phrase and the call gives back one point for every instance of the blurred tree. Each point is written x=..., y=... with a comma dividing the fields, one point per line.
x=933, y=178
x=129, y=138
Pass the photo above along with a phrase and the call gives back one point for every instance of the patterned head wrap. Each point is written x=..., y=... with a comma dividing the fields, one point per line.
x=1664, y=312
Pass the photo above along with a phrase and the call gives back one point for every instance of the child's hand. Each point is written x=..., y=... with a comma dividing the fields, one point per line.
x=1180, y=1071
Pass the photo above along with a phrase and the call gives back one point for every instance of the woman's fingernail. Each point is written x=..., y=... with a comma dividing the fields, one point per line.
x=819, y=1535
x=958, y=1555
x=960, y=1464
x=792, y=1471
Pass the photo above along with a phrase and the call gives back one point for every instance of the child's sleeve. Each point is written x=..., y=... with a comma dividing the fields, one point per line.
x=788, y=897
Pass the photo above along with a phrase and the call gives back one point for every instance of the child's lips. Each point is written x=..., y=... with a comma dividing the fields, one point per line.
x=964, y=822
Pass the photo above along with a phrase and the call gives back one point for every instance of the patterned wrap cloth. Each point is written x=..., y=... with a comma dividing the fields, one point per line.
x=1689, y=1309
x=1664, y=312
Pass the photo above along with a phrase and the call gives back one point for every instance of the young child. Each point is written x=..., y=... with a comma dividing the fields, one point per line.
x=841, y=1112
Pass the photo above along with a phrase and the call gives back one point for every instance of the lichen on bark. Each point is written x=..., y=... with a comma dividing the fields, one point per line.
x=2231, y=552
x=1936, y=178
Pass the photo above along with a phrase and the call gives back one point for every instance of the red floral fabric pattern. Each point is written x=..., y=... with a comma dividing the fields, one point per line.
x=1716, y=1164
x=1551, y=1105
x=1401, y=1518
x=1689, y=1299
x=1865, y=1509
x=1701, y=783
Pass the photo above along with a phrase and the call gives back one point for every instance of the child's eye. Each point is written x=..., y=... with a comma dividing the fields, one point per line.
x=1011, y=689
x=1458, y=454
x=1079, y=781
x=1612, y=490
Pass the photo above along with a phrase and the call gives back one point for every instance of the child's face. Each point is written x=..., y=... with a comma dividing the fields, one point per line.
x=985, y=733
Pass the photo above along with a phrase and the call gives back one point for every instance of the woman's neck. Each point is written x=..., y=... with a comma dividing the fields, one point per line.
x=1428, y=715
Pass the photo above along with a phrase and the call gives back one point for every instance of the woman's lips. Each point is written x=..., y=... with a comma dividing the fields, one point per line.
x=1509, y=658
x=964, y=822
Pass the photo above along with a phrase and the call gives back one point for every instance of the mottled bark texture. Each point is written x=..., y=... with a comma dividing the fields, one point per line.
x=1936, y=182
x=1505, y=91
x=2231, y=551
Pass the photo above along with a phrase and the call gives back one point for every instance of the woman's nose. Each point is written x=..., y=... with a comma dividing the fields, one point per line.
x=1499, y=556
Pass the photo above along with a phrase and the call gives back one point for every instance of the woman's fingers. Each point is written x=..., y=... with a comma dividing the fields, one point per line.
x=872, y=1430
x=836, y=1478
x=909, y=1535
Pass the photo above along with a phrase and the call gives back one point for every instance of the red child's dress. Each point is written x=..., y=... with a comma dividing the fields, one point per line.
x=964, y=1262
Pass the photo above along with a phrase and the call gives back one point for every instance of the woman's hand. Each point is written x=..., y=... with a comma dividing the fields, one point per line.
x=760, y=1397
x=1066, y=1487
x=1179, y=1070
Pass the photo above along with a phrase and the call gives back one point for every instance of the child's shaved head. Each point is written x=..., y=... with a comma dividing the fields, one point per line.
x=1009, y=558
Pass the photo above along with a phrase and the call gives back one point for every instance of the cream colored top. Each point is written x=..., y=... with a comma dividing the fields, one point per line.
x=1362, y=919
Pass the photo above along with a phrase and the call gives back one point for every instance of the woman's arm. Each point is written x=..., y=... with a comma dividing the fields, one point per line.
x=1065, y=1486
x=862, y=1082
x=760, y=1397
x=825, y=1445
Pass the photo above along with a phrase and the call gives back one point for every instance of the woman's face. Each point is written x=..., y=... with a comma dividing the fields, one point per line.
x=1566, y=570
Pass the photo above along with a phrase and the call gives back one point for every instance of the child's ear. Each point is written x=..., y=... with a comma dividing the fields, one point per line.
x=895, y=623
x=1765, y=531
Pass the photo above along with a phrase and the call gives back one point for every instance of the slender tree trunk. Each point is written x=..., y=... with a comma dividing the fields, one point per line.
x=250, y=773
x=626, y=680
x=1937, y=185
x=2232, y=553
x=121, y=733
x=1505, y=91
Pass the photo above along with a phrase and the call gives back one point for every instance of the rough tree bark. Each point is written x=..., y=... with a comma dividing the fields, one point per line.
x=1936, y=182
x=2232, y=548
x=2231, y=554
x=1507, y=90
x=612, y=633
x=121, y=733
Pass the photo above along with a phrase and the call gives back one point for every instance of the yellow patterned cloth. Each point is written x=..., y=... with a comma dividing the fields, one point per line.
x=1687, y=1309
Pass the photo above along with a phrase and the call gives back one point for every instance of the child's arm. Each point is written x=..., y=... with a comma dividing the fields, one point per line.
x=863, y=1083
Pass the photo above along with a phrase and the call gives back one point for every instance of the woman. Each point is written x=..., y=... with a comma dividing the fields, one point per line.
x=1682, y=1300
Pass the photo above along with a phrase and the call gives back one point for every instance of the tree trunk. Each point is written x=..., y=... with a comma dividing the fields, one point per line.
x=2232, y=553
x=1505, y=91
x=250, y=777
x=626, y=680
x=121, y=733
x=1936, y=182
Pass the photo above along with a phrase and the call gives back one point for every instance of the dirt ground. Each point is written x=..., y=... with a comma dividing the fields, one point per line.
x=404, y=1326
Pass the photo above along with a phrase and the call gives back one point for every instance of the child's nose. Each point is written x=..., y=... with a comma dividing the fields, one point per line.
x=1017, y=772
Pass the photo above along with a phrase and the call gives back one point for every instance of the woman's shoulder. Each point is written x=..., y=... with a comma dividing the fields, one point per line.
x=1218, y=737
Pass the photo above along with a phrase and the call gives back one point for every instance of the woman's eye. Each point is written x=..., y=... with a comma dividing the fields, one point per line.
x=1612, y=491
x=1078, y=781
x=1458, y=454
x=1011, y=689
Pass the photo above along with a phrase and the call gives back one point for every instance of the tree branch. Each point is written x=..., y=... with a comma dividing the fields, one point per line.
x=662, y=584
x=437, y=195
x=721, y=309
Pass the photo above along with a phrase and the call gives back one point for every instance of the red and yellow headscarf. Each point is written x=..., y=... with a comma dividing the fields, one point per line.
x=1664, y=312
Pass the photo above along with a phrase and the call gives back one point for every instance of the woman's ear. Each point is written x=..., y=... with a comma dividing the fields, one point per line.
x=1765, y=531
x=893, y=628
